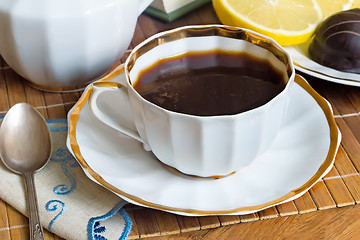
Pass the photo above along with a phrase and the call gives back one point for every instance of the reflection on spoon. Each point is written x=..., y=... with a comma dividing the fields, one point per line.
x=25, y=148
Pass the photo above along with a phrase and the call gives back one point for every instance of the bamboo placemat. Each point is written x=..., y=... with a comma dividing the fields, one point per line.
x=341, y=187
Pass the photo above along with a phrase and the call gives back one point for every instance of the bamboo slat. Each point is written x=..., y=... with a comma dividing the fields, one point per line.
x=35, y=98
x=343, y=106
x=167, y=223
x=338, y=189
x=268, y=213
x=15, y=84
x=4, y=222
x=349, y=143
x=353, y=95
x=69, y=100
x=146, y=223
x=305, y=204
x=321, y=196
x=249, y=217
x=348, y=173
x=134, y=234
x=287, y=209
x=229, y=219
x=4, y=102
x=19, y=224
x=188, y=224
x=53, y=99
x=209, y=222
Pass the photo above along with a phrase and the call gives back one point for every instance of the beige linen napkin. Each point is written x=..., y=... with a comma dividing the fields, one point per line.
x=70, y=204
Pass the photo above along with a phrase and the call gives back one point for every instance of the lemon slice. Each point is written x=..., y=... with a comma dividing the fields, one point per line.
x=288, y=22
x=356, y=4
x=335, y=6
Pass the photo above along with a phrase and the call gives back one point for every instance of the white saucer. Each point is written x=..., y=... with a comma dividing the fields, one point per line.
x=305, y=64
x=302, y=153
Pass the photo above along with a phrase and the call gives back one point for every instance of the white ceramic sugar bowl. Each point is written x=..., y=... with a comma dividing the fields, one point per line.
x=66, y=44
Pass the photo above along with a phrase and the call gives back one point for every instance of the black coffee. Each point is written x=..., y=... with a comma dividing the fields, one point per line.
x=210, y=83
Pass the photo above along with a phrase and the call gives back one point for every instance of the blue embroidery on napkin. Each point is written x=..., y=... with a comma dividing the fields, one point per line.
x=98, y=228
x=94, y=228
x=128, y=224
x=61, y=155
x=64, y=156
x=54, y=208
x=60, y=120
x=57, y=129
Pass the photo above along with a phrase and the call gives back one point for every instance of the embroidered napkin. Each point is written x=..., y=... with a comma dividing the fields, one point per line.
x=70, y=205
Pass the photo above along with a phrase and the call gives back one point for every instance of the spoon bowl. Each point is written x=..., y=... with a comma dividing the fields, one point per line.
x=25, y=148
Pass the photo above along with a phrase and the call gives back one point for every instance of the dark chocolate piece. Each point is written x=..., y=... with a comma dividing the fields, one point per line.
x=336, y=43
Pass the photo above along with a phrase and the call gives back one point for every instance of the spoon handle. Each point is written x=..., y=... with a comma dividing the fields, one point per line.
x=36, y=231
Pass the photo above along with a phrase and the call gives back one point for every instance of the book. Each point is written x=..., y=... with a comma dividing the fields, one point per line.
x=169, y=10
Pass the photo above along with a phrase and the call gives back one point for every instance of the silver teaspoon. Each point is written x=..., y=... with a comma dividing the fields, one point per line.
x=25, y=147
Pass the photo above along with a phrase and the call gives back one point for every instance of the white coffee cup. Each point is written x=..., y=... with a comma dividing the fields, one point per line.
x=63, y=45
x=204, y=146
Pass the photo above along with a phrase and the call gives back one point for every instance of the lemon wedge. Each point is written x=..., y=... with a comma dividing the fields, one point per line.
x=356, y=4
x=335, y=6
x=288, y=22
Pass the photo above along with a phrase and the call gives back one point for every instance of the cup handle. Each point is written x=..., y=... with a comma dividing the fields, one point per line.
x=118, y=115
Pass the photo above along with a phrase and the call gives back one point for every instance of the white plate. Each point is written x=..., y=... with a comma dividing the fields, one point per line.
x=302, y=153
x=305, y=64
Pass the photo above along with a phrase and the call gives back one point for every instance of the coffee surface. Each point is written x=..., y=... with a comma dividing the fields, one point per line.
x=210, y=83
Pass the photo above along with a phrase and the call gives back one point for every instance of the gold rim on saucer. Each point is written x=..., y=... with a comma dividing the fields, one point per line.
x=334, y=134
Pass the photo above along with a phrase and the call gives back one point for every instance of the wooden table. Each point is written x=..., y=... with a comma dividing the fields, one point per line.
x=327, y=211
